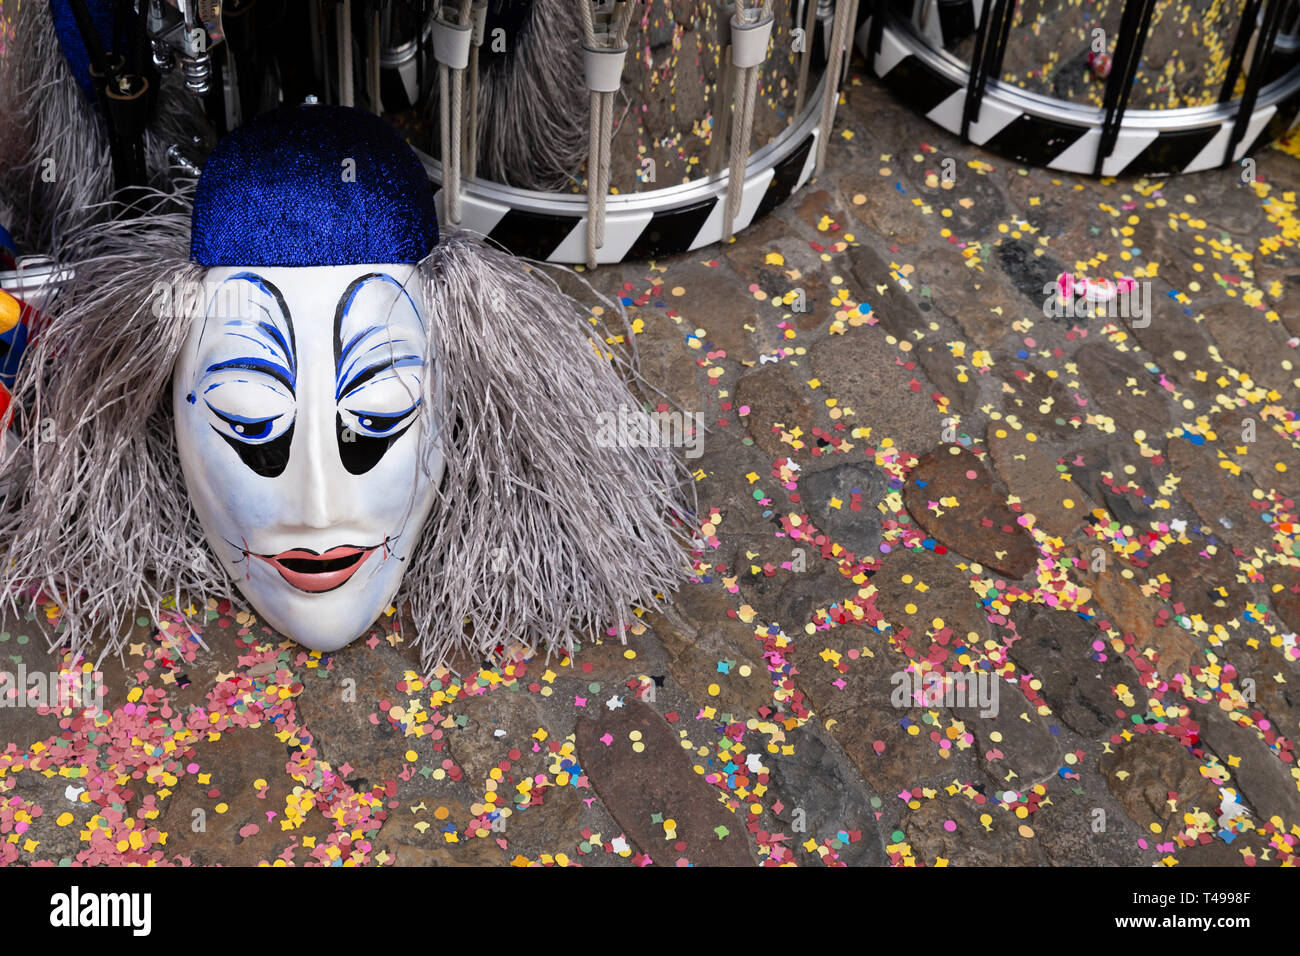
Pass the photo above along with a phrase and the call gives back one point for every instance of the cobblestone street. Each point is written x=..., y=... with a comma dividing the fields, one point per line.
x=911, y=472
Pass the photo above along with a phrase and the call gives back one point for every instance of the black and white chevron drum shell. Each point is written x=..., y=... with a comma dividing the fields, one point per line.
x=552, y=227
x=1040, y=130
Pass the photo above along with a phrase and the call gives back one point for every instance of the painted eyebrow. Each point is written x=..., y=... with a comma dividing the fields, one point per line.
x=343, y=350
x=397, y=361
x=274, y=335
x=389, y=342
x=291, y=346
x=285, y=372
x=241, y=418
x=238, y=381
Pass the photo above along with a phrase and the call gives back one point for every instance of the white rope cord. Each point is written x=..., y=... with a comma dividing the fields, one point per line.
x=601, y=120
x=594, y=115
x=444, y=135
x=831, y=94
x=345, y=53
x=451, y=105
x=742, y=116
x=457, y=131
x=602, y=168
x=470, y=160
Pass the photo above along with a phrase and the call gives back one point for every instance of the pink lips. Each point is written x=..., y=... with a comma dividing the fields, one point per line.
x=316, y=573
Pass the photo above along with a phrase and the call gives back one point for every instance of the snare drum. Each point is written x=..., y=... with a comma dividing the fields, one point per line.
x=681, y=170
x=1137, y=87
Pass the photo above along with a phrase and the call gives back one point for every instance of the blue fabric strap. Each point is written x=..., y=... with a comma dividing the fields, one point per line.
x=70, y=42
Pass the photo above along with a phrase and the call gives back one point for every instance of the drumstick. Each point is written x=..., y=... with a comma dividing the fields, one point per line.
x=805, y=58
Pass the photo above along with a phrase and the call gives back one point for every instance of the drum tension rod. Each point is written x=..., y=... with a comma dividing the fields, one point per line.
x=123, y=97
x=990, y=47
x=1135, y=22
x=1249, y=14
x=846, y=15
x=1255, y=77
x=751, y=31
x=604, y=50
x=876, y=32
x=478, y=15
x=452, y=41
x=805, y=57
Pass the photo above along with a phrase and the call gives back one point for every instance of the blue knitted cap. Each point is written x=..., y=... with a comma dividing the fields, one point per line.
x=313, y=186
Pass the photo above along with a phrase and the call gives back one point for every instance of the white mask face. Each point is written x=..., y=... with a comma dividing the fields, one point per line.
x=298, y=395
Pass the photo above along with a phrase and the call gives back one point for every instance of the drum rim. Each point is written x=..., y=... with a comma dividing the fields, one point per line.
x=1184, y=117
x=649, y=200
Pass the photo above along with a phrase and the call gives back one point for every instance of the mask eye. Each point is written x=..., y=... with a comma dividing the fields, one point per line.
x=247, y=429
x=364, y=437
x=255, y=419
x=379, y=357
x=248, y=411
x=360, y=452
x=375, y=424
x=374, y=413
x=268, y=459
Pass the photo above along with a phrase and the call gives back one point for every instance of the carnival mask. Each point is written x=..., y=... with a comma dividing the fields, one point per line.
x=297, y=398
x=300, y=390
x=337, y=411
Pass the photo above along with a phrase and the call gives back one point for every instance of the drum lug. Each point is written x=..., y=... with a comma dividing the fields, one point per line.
x=604, y=68
x=451, y=43
x=749, y=41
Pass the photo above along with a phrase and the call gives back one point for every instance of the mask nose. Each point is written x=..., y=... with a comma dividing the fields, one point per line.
x=314, y=469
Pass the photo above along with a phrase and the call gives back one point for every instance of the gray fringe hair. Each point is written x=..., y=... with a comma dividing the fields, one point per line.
x=48, y=124
x=98, y=518
x=532, y=130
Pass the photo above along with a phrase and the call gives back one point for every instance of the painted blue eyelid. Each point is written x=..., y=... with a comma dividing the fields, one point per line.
x=244, y=335
x=229, y=416
x=398, y=415
x=272, y=331
x=381, y=375
x=276, y=335
x=274, y=369
x=338, y=366
x=241, y=381
x=389, y=343
x=401, y=361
